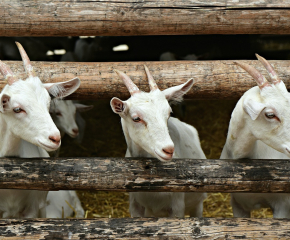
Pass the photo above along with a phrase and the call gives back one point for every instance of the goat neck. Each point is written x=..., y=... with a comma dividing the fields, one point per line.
x=10, y=144
x=240, y=141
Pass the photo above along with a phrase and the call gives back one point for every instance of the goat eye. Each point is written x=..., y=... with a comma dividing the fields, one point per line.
x=270, y=115
x=58, y=114
x=17, y=110
x=136, y=119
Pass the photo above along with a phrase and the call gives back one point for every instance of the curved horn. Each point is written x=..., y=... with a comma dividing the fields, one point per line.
x=152, y=84
x=133, y=89
x=272, y=74
x=26, y=62
x=7, y=73
x=260, y=79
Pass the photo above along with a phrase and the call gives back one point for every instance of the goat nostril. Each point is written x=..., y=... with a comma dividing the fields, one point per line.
x=55, y=139
x=168, y=150
x=75, y=131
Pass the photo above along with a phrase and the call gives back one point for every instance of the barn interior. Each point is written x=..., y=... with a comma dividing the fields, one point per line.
x=103, y=135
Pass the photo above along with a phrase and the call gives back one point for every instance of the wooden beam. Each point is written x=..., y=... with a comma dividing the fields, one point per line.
x=121, y=174
x=145, y=228
x=213, y=79
x=120, y=18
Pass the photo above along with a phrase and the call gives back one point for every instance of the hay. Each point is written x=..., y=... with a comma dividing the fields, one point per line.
x=104, y=204
x=104, y=138
x=116, y=205
x=217, y=205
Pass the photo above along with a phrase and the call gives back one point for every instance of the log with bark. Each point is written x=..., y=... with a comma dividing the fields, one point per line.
x=117, y=18
x=213, y=79
x=145, y=228
x=143, y=174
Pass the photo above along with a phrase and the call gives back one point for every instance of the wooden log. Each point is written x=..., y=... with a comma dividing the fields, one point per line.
x=121, y=174
x=145, y=228
x=157, y=17
x=213, y=79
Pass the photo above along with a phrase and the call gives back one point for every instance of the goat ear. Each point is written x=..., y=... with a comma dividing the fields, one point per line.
x=118, y=106
x=4, y=102
x=176, y=93
x=253, y=108
x=82, y=107
x=62, y=89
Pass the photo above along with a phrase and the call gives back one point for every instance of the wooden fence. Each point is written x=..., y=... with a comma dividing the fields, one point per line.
x=143, y=174
x=156, y=17
x=145, y=228
x=131, y=174
x=213, y=79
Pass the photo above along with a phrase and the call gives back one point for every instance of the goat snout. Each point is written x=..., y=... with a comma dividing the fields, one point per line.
x=75, y=131
x=168, y=150
x=55, y=139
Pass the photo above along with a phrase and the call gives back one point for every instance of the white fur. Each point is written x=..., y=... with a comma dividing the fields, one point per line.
x=252, y=135
x=34, y=126
x=58, y=207
x=64, y=112
x=67, y=118
x=148, y=138
x=24, y=135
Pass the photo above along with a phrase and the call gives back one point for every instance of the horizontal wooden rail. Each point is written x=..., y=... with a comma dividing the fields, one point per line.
x=213, y=79
x=157, y=17
x=145, y=228
x=131, y=174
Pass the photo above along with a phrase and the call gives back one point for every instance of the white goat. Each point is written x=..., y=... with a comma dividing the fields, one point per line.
x=67, y=118
x=64, y=115
x=26, y=130
x=259, y=129
x=151, y=132
x=63, y=204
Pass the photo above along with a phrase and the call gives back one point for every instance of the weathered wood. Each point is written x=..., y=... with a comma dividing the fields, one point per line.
x=146, y=228
x=158, y=17
x=213, y=79
x=121, y=174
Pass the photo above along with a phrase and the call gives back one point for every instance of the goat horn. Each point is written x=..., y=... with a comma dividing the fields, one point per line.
x=7, y=73
x=273, y=75
x=152, y=84
x=133, y=89
x=260, y=79
x=26, y=62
